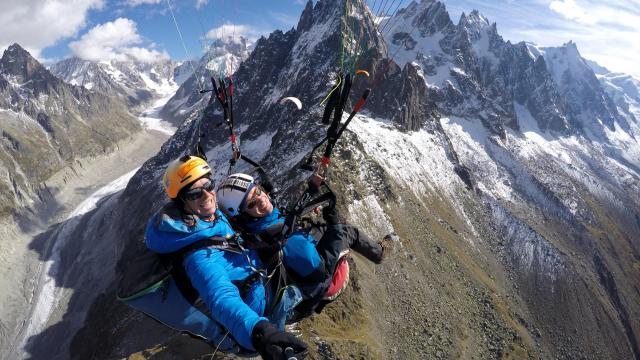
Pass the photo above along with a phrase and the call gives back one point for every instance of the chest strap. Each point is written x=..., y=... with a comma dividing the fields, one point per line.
x=214, y=242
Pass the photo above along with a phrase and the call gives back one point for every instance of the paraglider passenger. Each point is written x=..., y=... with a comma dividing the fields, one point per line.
x=226, y=275
x=310, y=257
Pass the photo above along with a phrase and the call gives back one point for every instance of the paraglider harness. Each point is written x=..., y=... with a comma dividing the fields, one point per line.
x=158, y=286
x=317, y=192
x=174, y=263
x=151, y=273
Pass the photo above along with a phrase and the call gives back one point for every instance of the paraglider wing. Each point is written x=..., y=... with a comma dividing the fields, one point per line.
x=362, y=72
x=294, y=100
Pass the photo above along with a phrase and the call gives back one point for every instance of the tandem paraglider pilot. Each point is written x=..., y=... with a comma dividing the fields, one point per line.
x=229, y=278
x=315, y=256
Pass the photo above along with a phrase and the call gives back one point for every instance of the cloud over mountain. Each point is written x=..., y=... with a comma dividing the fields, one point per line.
x=38, y=24
x=233, y=31
x=114, y=40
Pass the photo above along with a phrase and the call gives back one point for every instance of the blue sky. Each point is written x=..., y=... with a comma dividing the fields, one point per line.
x=606, y=32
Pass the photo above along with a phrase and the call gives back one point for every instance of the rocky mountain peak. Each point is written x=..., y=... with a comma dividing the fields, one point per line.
x=72, y=70
x=236, y=46
x=578, y=83
x=327, y=10
x=532, y=49
x=624, y=89
x=17, y=54
x=18, y=63
x=477, y=26
x=306, y=19
x=565, y=58
x=430, y=16
x=474, y=21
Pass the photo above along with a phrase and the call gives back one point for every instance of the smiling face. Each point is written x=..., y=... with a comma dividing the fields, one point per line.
x=258, y=204
x=205, y=205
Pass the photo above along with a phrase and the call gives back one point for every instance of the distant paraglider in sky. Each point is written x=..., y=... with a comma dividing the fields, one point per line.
x=294, y=100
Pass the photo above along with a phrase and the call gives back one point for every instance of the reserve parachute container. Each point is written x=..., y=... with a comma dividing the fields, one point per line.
x=158, y=286
x=153, y=284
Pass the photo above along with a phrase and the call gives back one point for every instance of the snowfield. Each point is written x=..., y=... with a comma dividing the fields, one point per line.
x=151, y=118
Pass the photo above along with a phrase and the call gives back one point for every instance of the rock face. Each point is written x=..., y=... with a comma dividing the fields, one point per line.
x=47, y=124
x=515, y=200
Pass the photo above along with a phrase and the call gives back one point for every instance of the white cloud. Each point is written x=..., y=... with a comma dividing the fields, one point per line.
x=201, y=3
x=608, y=33
x=140, y=2
x=572, y=11
x=114, y=40
x=145, y=55
x=37, y=24
x=234, y=31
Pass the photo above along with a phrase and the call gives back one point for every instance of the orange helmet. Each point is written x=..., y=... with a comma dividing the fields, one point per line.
x=182, y=172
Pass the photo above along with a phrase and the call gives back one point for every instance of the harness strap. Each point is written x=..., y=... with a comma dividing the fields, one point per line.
x=215, y=242
x=180, y=277
x=306, y=203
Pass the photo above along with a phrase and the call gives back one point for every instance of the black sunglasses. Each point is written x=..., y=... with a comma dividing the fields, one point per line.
x=254, y=199
x=195, y=194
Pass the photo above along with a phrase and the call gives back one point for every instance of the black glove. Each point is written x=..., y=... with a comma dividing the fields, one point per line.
x=330, y=214
x=273, y=344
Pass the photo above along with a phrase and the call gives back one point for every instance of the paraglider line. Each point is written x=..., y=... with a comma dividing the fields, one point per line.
x=184, y=46
x=338, y=83
x=373, y=7
x=384, y=5
x=393, y=14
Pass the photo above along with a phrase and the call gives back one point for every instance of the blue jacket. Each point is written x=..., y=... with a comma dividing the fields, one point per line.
x=300, y=254
x=212, y=271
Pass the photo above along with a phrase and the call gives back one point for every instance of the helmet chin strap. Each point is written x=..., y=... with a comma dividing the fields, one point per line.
x=193, y=212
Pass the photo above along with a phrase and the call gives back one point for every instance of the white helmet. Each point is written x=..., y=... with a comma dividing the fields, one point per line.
x=232, y=193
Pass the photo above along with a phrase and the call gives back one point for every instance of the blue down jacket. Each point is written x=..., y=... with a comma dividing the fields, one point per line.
x=213, y=271
x=300, y=254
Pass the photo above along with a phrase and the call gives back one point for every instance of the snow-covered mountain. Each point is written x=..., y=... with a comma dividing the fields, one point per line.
x=589, y=107
x=183, y=70
x=136, y=82
x=511, y=176
x=553, y=149
x=49, y=130
x=46, y=125
x=223, y=58
x=624, y=90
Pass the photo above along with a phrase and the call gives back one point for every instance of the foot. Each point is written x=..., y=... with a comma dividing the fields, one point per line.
x=387, y=244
